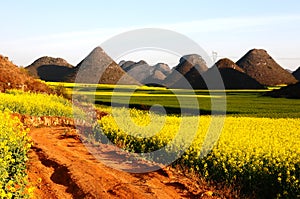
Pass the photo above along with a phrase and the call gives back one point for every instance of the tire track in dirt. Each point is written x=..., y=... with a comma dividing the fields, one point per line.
x=60, y=175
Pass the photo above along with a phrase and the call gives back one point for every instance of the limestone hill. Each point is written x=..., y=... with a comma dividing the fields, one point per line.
x=227, y=63
x=144, y=73
x=50, y=69
x=230, y=79
x=258, y=64
x=296, y=74
x=98, y=67
x=225, y=74
x=186, y=63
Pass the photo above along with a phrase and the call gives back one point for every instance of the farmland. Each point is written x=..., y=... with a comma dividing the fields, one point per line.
x=256, y=151
x=258, y=146
x=250, y=103
x=15, y=142
x=259, y=154
x=36, y=104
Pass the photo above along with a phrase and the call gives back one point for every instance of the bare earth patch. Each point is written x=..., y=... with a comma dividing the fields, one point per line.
x=61, y=167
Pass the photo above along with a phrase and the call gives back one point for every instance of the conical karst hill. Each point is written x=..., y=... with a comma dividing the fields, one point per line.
x=296, y=74
x=227, y=63
x=234, y=77
x=145, y=73
x=158, y=75
x=138, y=70
x=258, y=64
x=224, y=74
x=98, y=67
x=186, y=63
x=50, y=69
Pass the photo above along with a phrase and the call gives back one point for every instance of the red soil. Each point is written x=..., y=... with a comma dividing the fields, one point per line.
x=61, y=167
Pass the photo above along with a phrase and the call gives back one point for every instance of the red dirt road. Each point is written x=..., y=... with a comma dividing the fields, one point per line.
x=61, y=167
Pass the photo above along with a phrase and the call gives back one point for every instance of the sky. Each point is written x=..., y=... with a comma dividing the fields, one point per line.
x=71, y=29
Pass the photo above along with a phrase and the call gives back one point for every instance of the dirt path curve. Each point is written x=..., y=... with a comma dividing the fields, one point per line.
x=61, y=167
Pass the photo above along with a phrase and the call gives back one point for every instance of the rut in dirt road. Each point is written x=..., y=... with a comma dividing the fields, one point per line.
x=61, y=175
x=68, y=170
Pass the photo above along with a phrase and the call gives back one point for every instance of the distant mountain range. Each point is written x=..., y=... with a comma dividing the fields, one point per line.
x=144, y=73
x=255, y=70
x=97, y=67
x=233, y=77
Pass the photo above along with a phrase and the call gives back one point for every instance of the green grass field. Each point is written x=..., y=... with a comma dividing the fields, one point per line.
x=250, y=103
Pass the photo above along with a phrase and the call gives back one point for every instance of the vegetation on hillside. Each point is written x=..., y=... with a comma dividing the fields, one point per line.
x=13, y=77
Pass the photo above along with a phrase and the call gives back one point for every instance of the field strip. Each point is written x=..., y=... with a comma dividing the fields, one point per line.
x=141, y=94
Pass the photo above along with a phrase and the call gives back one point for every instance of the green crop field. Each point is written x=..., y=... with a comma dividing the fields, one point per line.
x=238, y=102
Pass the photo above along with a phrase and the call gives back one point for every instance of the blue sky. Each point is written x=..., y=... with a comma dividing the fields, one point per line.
x=71, y=29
